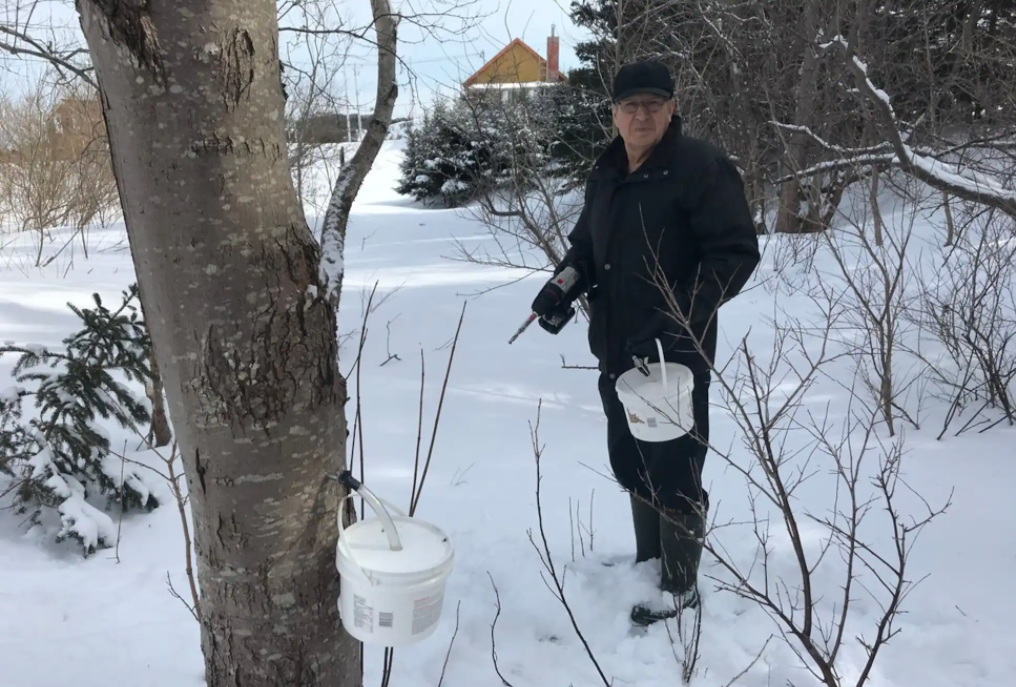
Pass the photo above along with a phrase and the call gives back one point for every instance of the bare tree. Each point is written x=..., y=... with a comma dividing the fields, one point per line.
x=55, y=158
x=761, y=79
x=810, y=566
x=252, y=376
x=26, y=33
x=789, y=219
x=312, y=100
x=967, y=309
x=873, y=302
x=334, y=225
x=333, y=231
x=785, y=449
x=818, y=630
x=527, y=206
x=969, y=184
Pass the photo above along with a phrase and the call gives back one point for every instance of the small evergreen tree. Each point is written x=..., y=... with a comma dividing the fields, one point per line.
x=62, y=457
x=15, y=443
x=451, y=154
x=475, y=145
x=582, y=124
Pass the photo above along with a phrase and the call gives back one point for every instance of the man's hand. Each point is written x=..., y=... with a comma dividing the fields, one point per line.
x=555, y=320
x=559, y=291
x=662, y=326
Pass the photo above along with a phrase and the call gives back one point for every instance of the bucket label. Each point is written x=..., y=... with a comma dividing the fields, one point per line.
x=426, y=612
x=385, y=619
x=363, y=614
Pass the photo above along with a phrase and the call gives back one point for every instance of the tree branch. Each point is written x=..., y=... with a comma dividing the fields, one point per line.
x=970, y=186
x=336, y=220
x=59, y=59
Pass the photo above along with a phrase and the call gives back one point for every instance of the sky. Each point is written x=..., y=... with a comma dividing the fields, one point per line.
x=433, y=66
x=433, y=63
x=439, y=64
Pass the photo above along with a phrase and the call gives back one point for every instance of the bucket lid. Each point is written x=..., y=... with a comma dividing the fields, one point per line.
x=424, y=546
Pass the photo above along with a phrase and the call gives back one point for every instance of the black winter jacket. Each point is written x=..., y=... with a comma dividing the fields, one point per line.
x=681, y=219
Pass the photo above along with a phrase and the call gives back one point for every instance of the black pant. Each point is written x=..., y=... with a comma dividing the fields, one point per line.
x=667, y=473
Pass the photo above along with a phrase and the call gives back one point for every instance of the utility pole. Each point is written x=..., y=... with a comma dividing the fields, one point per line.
x=356, y=87
x=345, y=86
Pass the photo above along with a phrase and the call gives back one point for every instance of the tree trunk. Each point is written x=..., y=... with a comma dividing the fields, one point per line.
x=789, y=218
x=876, y=211
x=159, y=434
x=351, y=176
x=247, y=344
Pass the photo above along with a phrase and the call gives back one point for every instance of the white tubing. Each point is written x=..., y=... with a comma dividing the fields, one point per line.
x=342, y=528
x=388, y=528
x=393, y=537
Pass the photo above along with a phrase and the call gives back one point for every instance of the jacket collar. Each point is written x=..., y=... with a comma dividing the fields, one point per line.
x=615, y=158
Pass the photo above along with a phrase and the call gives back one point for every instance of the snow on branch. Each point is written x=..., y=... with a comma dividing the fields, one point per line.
x=794, y=128
x=966, y=184
x=336, y=220
x=841, y=164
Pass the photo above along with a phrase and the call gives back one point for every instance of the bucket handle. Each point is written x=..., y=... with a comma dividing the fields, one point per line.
x=663, y=364
x=376, y=504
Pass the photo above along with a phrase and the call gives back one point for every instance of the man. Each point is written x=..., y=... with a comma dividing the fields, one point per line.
x=662, y=211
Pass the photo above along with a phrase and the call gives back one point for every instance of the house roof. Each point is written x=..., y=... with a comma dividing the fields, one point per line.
x=502, y=53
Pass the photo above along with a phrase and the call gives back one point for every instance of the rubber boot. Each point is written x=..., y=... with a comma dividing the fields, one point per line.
x=681, y=548
x=646, y=520
x=681, y=542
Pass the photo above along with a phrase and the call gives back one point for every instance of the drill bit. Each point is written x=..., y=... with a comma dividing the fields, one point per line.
x=525, y=325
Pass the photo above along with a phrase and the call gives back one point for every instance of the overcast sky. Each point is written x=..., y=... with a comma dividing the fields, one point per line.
x=438, y=64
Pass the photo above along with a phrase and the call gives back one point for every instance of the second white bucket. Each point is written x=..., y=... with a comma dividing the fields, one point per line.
x=393, y=577
x=658, y=406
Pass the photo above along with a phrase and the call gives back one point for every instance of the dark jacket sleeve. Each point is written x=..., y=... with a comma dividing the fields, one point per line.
x=728, y=244
x=580, y=251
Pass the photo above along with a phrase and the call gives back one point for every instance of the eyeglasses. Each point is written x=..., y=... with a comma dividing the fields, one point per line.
x=632, y=106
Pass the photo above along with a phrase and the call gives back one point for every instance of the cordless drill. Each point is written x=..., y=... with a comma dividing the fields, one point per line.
x=553, y=304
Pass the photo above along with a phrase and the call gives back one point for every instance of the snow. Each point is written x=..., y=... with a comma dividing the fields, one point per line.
x=964, y=182
x=513, y=86
x=950, y=174
x=78, y=517
x=116, y=610
x=332, y=242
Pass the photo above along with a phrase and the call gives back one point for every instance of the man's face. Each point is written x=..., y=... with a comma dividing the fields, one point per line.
x=642, y=119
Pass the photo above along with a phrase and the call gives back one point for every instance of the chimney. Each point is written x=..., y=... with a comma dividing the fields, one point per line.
x=553, y=49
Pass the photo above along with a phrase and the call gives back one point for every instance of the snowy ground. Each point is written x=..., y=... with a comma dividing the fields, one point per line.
x=87, y=623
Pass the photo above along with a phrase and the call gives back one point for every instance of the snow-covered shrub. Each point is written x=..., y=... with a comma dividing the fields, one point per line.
x=448, y=156
x=15, y=443
x=581, y=124
x=62, y=456
x=484, y=142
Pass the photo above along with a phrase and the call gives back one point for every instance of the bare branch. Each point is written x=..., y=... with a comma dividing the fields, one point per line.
x=60, y=59
x=968, y=185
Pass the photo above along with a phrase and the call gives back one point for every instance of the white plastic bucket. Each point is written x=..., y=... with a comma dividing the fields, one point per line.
x=389, y=597
x=658, y=407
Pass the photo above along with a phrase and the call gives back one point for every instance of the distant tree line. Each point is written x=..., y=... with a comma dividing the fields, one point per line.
x=774, y=82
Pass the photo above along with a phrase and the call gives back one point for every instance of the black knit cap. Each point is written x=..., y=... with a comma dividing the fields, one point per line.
x=647, y=76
